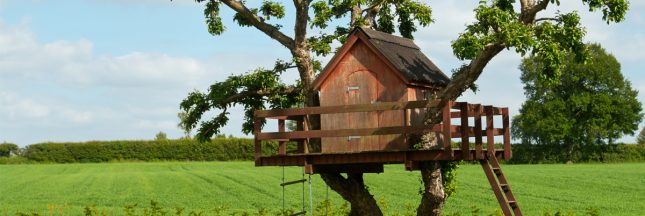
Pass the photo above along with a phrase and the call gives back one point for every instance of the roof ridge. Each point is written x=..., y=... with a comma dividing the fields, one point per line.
x=403, y=45
x=389, y=38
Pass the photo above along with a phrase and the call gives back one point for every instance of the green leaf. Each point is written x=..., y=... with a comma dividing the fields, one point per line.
x=213, y=19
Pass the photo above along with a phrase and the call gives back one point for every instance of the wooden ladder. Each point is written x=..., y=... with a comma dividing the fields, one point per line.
x=284, y=184
x=500, y=186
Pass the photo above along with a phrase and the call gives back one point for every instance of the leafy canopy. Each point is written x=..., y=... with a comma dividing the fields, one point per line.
x=262, y=88
x=254, y=90
x=589, y=104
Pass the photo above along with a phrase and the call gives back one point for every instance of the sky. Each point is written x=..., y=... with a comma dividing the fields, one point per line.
x=81, y=70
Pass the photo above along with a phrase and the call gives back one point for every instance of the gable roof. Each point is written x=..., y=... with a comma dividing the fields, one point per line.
x=402, y=54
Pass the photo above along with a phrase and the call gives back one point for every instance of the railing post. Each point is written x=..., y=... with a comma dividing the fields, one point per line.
x=282, y=145
x=305, y=127
x=257, y=125
x=507, y=134
x=447, y=133
x=300, y=127
x=490, y=137
x=406, y=122
x=465, y=148
x=478, y=131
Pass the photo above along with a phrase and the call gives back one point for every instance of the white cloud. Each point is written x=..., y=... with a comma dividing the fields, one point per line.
x=65, y=85
x=20, y=108
x=64, y=91
x=14, y=107
x=74, y=63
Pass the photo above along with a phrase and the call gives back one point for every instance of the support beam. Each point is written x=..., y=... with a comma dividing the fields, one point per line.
x=463, y=106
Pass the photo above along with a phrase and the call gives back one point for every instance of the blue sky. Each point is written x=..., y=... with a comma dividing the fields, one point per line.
x=79, y=70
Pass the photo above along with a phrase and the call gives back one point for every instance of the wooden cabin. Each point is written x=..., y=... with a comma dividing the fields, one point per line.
x=374, y=67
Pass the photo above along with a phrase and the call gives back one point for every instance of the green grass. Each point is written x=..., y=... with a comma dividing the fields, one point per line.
x=614, y=189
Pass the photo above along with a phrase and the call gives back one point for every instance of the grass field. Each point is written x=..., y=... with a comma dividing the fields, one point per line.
x=613, y=189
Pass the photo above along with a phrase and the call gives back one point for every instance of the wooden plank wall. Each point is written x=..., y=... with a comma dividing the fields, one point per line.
x=361, y=68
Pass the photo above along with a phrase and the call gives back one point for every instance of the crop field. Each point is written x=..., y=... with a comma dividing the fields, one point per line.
x=51, y=189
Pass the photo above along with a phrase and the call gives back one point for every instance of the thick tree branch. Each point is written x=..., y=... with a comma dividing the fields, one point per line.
x=302, y=54
x=356, y=14
x=302, y=7
x=259, y=93
x=463, y=77
x=524, y=4
x=371, y=12
x=529, y=11
x=258, y=23
x=545, y=19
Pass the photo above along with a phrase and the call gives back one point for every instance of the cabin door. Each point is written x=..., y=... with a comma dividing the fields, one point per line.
x=362, y=89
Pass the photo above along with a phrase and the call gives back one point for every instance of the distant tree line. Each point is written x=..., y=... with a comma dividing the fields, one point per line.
x=223, y=148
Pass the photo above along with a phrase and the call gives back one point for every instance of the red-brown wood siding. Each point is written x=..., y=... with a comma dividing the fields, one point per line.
x=369, y=80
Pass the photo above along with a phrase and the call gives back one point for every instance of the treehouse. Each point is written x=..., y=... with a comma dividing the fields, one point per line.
x=374, y=94
x=374, y=67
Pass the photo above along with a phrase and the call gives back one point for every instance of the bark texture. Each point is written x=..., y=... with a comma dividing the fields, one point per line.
x=354, y=191
x=433, y=196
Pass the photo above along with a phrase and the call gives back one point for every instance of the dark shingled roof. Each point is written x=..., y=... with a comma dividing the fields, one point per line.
x=407, y=58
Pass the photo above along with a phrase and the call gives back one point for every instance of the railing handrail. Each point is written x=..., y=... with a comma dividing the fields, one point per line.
x=483, y=116
x=378, y=106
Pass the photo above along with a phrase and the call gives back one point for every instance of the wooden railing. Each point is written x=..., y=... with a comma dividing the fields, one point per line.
x=459, y=110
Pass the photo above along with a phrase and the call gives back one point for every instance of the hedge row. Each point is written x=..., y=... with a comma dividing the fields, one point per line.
x=614, y=153
x=225, y=149
x=219, y=149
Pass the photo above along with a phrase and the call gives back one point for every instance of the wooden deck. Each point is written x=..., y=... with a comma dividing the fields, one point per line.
x=481, y=117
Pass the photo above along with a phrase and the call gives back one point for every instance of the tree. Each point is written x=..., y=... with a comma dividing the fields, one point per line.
x=186, y=128
x=6, y=149
x=588, y=105
x=641, y=137
x=498, y=26
x=161, y=136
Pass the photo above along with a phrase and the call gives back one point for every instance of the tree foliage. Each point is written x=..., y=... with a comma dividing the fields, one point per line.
x=6, y=149
x=161, y=136
x=256, y=90
x=590, y=103
x=641, y=137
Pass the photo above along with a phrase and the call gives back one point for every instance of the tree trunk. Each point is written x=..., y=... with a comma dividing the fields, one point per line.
x=433, y=196
x=354, y=191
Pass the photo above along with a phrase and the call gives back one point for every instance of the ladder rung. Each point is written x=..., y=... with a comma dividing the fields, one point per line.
x=293, y=182
x=497, y=170
x=504, y=187
x=512, y=203
x=299, y=213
